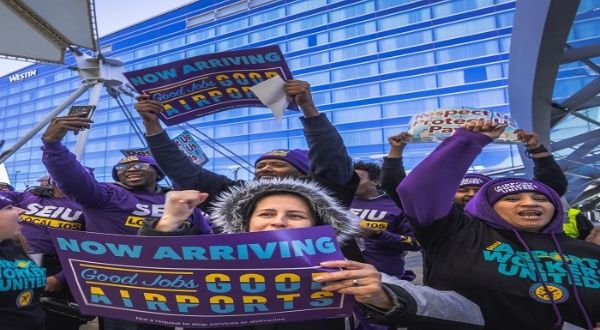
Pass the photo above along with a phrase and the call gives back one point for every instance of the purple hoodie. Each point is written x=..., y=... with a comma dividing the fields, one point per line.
x=527, y=280
x=480, y=207
x=108, y=208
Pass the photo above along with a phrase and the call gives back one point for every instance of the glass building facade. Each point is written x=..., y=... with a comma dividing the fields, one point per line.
x=372, y=64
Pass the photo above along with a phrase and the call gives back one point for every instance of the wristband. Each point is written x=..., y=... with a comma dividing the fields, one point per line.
x=537, y=150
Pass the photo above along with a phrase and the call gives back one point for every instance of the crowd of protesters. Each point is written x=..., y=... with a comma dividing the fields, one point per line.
x=497, y=252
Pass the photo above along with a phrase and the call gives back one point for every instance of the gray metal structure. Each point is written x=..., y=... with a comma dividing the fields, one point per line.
x=538, y=49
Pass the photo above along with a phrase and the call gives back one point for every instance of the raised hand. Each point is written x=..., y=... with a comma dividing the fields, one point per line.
x=397, y=143
x=149, y=110
x=179, y=205
x=529, y=138
x=299, y=91
x=486, y=127
x=60, y=126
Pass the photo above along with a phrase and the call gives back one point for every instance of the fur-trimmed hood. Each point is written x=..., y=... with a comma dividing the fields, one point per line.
x=230, y=209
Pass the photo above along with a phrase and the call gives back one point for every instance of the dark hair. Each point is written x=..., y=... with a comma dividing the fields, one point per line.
x=373, y=170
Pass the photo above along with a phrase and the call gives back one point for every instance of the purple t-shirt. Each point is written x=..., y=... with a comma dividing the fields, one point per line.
x=386, y=249
x=107, y=207
x=42, y=213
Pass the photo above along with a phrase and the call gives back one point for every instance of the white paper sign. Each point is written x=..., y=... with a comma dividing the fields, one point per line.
x=270, y=92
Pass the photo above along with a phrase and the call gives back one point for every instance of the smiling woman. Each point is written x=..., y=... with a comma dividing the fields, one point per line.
x=277, y=204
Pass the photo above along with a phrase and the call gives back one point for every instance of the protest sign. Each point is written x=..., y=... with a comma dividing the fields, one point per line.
x=226, y=280
x=437, y=125
x=187, y=144
x=206, y=84
x=184, y=141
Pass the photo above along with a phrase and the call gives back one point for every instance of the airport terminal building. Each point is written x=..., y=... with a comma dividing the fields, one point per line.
x=372, y=64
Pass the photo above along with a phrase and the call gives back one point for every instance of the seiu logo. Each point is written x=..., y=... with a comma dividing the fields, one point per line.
x=153, y=210
x=367, y=214
x=53, y=212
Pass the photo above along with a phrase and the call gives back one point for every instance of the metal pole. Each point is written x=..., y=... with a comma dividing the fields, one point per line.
x=40, y=125
x=82, y=138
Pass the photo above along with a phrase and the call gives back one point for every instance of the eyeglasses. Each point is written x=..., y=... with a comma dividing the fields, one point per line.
x=135, y=166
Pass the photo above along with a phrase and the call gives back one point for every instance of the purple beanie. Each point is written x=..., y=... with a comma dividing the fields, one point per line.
x=138, y=159
x=474, y=179
x=5, y=201
x=298, y=158
x=498, y=190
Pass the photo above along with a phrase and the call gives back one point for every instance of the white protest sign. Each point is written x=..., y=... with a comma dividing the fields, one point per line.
x=437, y=125
x=270, y=92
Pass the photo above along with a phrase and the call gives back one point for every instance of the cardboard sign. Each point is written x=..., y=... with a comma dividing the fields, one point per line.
x=437, y=125
x=226, y=280
x=206, y=84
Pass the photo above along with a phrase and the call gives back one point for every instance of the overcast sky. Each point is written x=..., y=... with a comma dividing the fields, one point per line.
x=113, y=15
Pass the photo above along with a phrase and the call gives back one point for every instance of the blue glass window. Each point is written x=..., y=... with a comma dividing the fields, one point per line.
x=352, y=31
x=474, y=99
x=362, y=137
x=354, y=51
x=302, y=6
x=467, y=51
x=460, y=29
x=459, y=6
x=355, y=93
x=232, y=43
x=404, y=18
x=146, y=51
x=235, y=25
x=350, y=115
x=407, y=62
x=383, y=4
x=405, y=40
x=269, y=33
x=267, y=16
x=361, y=70
x=201, y=50
x=200, y=35
x=410, y=107
x=307, y=23
x=351, y=11
x=171, y=43
x=406, y=85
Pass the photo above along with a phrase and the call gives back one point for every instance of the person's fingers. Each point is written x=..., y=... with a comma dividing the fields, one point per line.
x=348, y=264
x=142, y=97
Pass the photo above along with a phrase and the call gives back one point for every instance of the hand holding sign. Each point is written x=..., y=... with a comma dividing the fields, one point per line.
x=492, y=129
x=435, y=126
x=179, y=205
x=362, y=281
x=299, y=91
x=59, y=126
x=150, y=111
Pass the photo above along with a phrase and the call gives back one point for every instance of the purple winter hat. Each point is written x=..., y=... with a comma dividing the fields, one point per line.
x=482, y=204
x=298, y=158
x=138, y=159
x=474, y=179
x=511, y=186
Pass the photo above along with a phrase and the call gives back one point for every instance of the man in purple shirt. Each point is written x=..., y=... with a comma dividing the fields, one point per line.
x=115, y=208
x=390, y=234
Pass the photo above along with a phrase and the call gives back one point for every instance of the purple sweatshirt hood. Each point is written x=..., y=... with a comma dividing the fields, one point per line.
x=481, y=207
